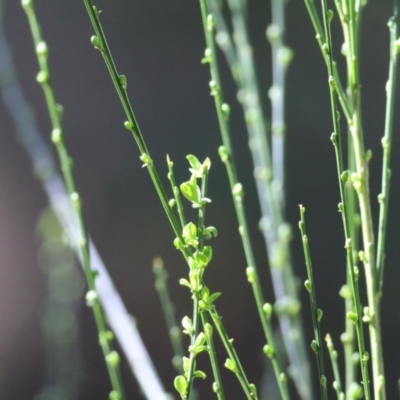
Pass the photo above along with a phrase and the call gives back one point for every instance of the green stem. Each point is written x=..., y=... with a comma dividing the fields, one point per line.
x=337, y=384
x=110, y=356
x=316, y=313
x=386, y=144
x=238, y=369
x=217, y=387
x=100, y=42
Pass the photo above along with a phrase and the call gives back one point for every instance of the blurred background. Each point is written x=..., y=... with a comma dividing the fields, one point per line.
x=158, y=45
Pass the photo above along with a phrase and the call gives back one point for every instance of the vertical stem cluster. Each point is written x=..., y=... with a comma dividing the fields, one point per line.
x=55, y=111
x=268, y=151
x=226, y=154
x=350, y=15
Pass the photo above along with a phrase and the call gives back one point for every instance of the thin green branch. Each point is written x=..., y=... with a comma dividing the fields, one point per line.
x=233, y=363
x=111, y=356
x=337, y=383
x=383, y=198
x=316, y=313
x=99, y=41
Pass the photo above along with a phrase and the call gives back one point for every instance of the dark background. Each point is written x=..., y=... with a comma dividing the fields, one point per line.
x=158, y=45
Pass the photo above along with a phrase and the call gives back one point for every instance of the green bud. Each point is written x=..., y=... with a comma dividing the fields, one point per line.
x=268, y=310
x=223, y=153
x=42, y=77
x=284, y=56
x=251, y=274
x=27, y=5
x=329, y=16
x=210, y=22
x=122, y=81
x=226, y=111
x=56, y=136
x=273, y=33
x=237, y=190
x=308, y=285
x=91, y=298
x=128, y=125
x=269, y=351
x=172, y=203
x=112, y=359
x=96, y=42
x=41, y=49
x=352, y=316
x=231, y=365
x=320, y=313
x=315, y=346
x=114, y=395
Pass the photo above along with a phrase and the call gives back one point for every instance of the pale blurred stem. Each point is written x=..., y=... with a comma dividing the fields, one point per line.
x=237, y=190
x=361, y=184
x=314, y=309
x=278, y=101
x=343, y=206
x=240, y=61
x=336, y=373
x=168, y=308
x=354, y=225
x=66, y=166
x=386, y=144
x=231, y=353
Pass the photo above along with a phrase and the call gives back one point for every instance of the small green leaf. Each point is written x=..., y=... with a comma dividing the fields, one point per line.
x=196, y=169
x=189, y=234
x=184, y=282
x=187, y=325
x=199, y=374
x=209, y=232
x=191, y=191
x=185, y=364
x=181, y=384
x=230, y=364
x=213, y=297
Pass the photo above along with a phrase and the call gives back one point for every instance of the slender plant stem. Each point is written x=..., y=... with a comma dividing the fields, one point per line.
x=100, y=42
x=237, y=189
x=208, y=329
x=337, y=383
x=386, y=144
x=237, y=367
x=320, y=36
x=111, y=356
x=316, y=313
